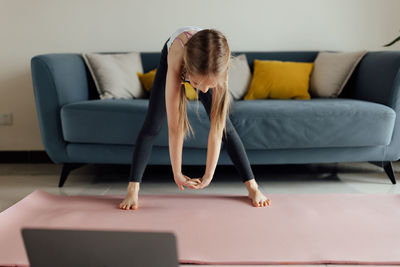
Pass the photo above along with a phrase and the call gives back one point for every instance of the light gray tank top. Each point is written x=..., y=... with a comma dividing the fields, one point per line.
x=184, y=29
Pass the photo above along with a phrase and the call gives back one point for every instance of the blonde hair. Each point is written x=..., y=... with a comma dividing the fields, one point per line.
x=207, y=53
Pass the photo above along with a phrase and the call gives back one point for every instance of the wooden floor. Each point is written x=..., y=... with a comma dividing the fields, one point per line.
x=18, y=180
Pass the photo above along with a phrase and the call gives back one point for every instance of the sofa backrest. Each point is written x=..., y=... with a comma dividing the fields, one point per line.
x=372, y=80
x=80, y=85
x=150, y=59
x=66, y=72
x=376, y=78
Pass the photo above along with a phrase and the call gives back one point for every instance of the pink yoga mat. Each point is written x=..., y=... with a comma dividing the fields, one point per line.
x=227, y=229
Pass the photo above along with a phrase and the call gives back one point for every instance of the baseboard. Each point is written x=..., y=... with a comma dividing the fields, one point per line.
x=24, y=157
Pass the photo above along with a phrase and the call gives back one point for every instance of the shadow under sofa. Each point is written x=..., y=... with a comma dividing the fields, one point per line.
x=361, y=125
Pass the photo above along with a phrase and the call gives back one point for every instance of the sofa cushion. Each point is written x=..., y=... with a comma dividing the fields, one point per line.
x=277, y=79
x=147, y=80
x=314, y=123
x=331, y=72
x=115, y=74
x=261, y=124
x=239, y=76
x=118, y=121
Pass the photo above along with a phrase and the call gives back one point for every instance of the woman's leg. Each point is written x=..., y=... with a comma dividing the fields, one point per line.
x=231, y=141
x=238, y=155
x=155, y=116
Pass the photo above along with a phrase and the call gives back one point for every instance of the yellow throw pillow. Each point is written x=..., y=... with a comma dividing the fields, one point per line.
x=147, y=80
x=280, y=80
x=190, y=91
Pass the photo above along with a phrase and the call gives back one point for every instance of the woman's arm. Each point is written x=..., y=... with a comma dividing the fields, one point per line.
x=175, y=137
x=213, y=151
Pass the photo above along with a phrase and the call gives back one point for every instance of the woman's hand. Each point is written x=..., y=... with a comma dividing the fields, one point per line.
x=183, y=180
x=204, y=182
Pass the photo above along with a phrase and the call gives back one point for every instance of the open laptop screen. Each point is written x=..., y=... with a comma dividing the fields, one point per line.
x=63, y=247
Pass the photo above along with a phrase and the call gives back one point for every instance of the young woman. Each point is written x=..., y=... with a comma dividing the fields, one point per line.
x=200, y=57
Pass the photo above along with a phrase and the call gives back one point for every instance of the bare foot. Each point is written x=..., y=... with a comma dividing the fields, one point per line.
x=257, y=197
x=131, y=200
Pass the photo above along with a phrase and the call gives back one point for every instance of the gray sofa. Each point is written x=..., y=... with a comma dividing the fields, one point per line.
x=361, y=125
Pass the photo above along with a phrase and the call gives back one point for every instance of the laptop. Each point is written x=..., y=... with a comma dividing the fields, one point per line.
x=62, y=248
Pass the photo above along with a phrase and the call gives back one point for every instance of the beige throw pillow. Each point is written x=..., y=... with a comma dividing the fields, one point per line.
x=239, y=76
x=331, y=72
x=115, y=74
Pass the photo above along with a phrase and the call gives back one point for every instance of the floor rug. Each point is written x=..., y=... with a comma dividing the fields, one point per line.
x=226, y=229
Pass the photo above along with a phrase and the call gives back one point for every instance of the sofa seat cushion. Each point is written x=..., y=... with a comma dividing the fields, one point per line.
x=318, y=122
x=119, y=121
x=261, y=124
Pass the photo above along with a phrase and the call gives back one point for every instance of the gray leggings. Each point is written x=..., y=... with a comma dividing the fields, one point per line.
x=156, y=113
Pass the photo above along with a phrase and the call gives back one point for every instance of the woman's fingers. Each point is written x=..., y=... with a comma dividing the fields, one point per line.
x=193, y=185
x=189, y=184
x=198, y=186
x=193, y=182
x=192, y=179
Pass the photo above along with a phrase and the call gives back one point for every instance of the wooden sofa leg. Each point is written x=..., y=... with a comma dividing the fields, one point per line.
x=66, y=169
x=387, y=166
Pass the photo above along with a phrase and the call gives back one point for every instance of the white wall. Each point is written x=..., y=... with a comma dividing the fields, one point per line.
x=30, y=27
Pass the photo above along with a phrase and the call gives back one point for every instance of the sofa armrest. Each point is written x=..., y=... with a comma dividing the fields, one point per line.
x=57, y=79
x=377, y=79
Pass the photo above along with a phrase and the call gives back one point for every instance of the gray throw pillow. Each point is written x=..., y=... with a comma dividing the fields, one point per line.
x=331, y=72
x=239, y=76
x=115, y=74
